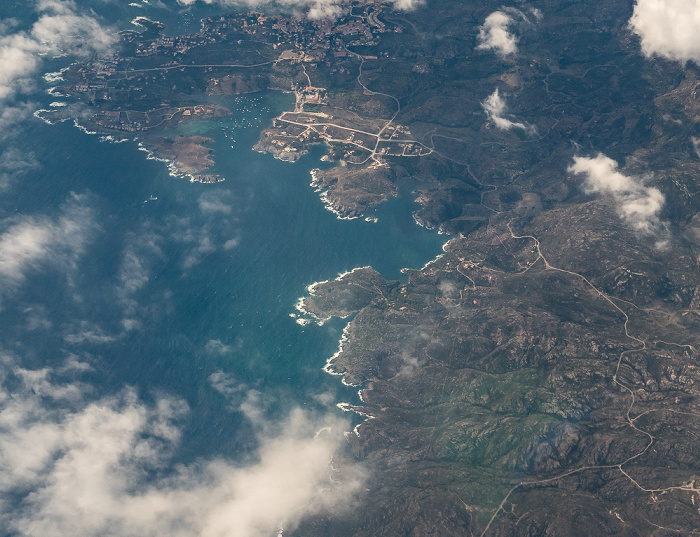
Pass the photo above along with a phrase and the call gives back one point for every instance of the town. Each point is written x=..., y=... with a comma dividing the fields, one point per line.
x=351, y=139
x=145, y=84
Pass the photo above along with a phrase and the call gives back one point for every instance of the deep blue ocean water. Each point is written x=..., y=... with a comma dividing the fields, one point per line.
x=177, y=281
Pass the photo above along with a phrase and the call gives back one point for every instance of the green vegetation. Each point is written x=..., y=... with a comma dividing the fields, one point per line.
x=541, y=378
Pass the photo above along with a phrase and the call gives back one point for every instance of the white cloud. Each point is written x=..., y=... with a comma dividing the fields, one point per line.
x=223, y=383
x=537, y=13
x=409, y=365
x=495, y=108
x=13, y=114
x=196, y=236
x=232, y=243
x=696, y=145
x=668, y=28
x=18, y=61
x=240, y=398
x=217, y=347
x=212, y=203
x=90, y=332
x=407, y=5
x=200, y=242
x=141, y=251
x=38, y=381
x=494, y=34
x=28, y=243
x=204, y=238
x=637, y=204
x=60, y=29
x=314, y=9
x=21, y=246
x=37, y=318
x=14, y=163
x=96, y=468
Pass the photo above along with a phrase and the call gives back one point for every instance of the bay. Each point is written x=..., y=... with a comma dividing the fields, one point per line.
x=186, y=289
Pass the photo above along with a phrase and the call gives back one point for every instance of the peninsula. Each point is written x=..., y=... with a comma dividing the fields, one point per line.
x=541, y=377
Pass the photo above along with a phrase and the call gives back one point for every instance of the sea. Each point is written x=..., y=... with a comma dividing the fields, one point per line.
x=168, y=287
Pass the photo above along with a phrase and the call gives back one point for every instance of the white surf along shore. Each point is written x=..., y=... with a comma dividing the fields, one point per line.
x=305, y=317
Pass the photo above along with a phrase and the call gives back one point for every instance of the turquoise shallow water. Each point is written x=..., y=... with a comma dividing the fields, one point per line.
x=176, y=282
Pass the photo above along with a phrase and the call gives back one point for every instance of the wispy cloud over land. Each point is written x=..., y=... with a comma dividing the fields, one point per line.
x=495, y=108
x=668, y=28
x=495, y=34
x=59, y=30
x=62, y=29
x=314, y=9
x=637, y=204
x=81, y=467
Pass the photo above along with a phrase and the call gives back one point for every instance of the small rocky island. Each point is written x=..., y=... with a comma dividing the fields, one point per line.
x=189, y=156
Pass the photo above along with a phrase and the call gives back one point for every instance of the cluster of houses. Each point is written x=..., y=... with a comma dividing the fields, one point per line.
x=174, y=45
